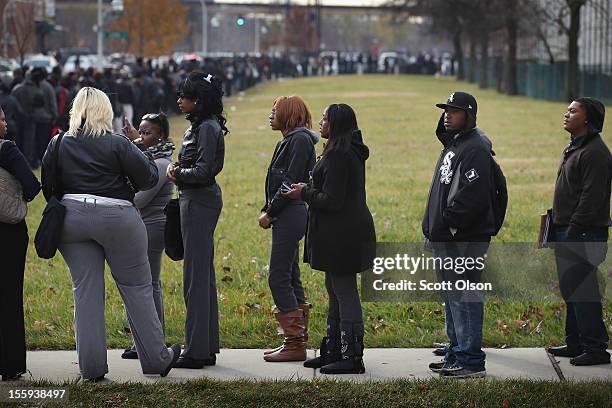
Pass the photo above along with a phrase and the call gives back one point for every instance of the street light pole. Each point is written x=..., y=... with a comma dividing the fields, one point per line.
x=257, y=34
x=100, y=31
x=204, y=26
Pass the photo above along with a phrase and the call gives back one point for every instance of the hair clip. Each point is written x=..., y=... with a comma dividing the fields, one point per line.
x=208, y=78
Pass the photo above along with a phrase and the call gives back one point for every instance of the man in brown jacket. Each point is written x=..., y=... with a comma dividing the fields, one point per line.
x=581, y=218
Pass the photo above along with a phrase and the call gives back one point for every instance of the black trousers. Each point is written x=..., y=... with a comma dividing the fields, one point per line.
x=344, y=303
x=577, y=260
x=13, y=247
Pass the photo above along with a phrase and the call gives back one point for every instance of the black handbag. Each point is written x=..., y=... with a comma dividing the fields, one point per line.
x=49, y=231
x=173, y=237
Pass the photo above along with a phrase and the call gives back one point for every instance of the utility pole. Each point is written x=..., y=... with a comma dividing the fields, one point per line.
x=257, y=33
x=204, y=26
x=116, y=6
x=100, y=32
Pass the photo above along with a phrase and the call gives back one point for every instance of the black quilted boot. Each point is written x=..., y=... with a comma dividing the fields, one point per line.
x=329, y=351
x=351, y=361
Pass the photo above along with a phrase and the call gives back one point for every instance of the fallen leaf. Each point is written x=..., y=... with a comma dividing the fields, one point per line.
x=227, y=279
x=421, y=387
x=505, y=403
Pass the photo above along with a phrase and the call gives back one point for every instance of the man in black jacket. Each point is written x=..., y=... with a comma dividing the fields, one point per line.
x=581, y=218
x=459, y=222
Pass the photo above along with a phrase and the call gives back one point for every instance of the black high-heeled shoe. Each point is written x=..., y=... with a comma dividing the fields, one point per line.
x=129, y=354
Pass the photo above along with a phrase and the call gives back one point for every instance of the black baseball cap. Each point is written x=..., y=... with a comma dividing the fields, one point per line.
x=460, y=100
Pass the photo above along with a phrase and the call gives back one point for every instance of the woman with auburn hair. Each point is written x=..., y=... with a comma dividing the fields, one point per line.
x=99, y=172
x=341, y=240
x=292, y=161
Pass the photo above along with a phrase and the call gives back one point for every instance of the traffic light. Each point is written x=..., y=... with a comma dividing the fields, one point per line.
x=240, y=21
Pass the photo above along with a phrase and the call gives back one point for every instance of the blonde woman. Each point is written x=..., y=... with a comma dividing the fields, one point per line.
x=99, y=173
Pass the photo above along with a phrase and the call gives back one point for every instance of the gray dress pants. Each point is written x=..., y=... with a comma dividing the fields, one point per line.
x=155, y=251
x=284, y=279
x=200, y=210
x=94, y=234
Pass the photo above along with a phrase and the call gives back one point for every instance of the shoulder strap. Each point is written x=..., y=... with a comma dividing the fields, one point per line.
x=58, y=191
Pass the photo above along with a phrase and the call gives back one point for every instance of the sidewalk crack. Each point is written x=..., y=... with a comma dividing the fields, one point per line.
x=555, y=365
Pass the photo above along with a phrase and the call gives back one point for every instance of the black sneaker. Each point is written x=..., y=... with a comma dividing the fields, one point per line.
x=463, y=373
x=450, y=368
x=437, y=367
x=441, y=349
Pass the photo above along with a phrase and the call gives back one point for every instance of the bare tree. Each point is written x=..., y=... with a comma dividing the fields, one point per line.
x=20, y=23
x=565, y=15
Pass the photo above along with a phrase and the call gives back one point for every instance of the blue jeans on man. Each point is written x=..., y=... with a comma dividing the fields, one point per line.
x=464, y=308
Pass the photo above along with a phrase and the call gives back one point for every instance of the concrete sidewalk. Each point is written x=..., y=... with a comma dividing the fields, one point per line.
x=381, y=364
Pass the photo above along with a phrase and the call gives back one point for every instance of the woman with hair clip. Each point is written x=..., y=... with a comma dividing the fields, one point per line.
x=200, y=161
x=341, y=240
x=98, y=174
x=293, y=159
x=153, y=132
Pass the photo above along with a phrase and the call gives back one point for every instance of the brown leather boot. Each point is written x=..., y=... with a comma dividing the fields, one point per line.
x=305, y=307
x=294, y=346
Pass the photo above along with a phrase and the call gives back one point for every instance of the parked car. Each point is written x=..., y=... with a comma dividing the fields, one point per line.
x=39, y=60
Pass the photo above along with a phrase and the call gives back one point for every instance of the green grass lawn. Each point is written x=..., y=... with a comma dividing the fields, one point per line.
x=341, y=394
x=398, y=118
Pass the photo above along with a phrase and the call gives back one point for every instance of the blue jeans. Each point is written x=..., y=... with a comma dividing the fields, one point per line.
x=464, y=309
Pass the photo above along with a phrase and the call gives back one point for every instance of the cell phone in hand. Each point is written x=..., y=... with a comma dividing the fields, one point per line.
x=286, y=187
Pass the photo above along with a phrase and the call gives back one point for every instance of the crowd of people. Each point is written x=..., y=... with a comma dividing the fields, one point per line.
x=36, y=103
x=116, y=189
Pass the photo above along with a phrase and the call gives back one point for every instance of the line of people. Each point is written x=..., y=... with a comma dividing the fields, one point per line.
x=115, y=188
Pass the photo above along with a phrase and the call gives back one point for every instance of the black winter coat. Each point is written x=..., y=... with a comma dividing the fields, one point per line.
x=292, y=161
x=582, y=190
x=340, y=236
x=459, y=207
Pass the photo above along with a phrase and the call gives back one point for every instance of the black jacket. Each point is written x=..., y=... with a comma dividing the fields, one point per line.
x=582, y=191
x=340, y=236
x=109, y=165
x=15, y=163
x=293, y=159
x=459, y=207
x=201, y=156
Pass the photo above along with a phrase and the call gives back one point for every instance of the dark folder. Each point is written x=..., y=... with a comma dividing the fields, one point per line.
x=545, y=229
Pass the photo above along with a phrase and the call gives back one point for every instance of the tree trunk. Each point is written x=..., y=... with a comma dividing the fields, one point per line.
x=573, y=90
x=512, y=29
x=483, y=82
x=471, y=74
x=459, y=55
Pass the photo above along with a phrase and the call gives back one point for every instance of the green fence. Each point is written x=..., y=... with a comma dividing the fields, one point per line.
x=548, y=81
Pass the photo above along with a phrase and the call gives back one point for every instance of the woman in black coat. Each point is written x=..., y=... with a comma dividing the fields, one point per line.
x=340, y=239
x=13, y=247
